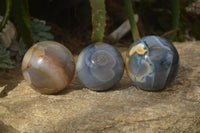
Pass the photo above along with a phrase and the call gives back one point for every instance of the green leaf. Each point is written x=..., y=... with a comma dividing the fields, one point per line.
x=98, y=19
x=47, y=28
x=6, y=14
x=130, y=13
x=8, y=62
x=4, y=55
x=5, y=61
x=20, y=12
x=40, y=31
x=5, y=66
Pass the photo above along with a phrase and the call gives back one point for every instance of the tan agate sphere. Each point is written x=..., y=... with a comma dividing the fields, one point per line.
x=48, y=66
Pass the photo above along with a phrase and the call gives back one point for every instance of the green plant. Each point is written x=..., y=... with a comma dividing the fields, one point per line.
x=40, y=31
x=175, y=16
x=18, y=50
x=30, y=31
x=134, y=29
x=3, y=23
x=160, y=17
x=5, y=61
x=98, y=19
x=18, y=10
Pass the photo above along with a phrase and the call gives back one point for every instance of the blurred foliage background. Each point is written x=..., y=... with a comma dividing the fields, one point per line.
x=71, y=20
x=155, y=17
x=77, y=23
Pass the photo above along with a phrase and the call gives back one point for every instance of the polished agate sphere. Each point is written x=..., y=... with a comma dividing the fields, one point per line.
x=100, y=66
x=152, y=63
x=48, y=66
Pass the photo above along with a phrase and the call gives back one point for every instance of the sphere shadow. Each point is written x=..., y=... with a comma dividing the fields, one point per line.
x=76, y=84
x=73, y=86
x=10, y=80
x=123, y=84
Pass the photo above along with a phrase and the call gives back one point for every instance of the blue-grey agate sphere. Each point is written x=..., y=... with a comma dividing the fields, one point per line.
x=152, y=63
x=100, y=66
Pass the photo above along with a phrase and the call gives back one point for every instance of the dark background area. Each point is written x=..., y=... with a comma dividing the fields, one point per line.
x=71, y=19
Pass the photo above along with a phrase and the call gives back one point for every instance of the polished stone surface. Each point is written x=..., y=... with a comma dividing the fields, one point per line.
x=152, y=63
x=100, y=66
x=124, y=109
x=48, y=66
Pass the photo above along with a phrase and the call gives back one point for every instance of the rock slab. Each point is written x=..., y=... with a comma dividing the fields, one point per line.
x=124, y=109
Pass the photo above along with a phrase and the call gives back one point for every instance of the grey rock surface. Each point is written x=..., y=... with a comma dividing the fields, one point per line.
x=124, y=109
x=8, y=34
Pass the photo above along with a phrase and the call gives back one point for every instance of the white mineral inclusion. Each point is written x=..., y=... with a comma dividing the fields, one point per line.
x=138, y=76
x=135, y=48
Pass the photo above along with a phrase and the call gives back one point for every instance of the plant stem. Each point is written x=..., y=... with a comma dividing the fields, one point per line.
x=130, y=13
x=175, y=17
x=20, y=14
x=3, y=22
x=98, y=19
